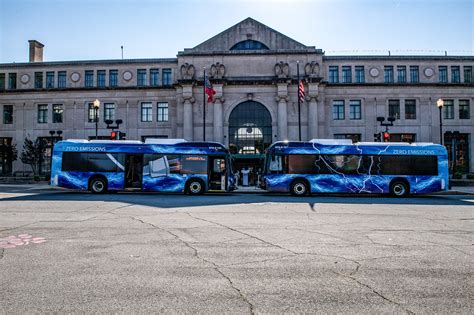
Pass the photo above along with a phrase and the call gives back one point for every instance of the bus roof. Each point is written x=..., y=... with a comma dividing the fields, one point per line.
x=343, y=147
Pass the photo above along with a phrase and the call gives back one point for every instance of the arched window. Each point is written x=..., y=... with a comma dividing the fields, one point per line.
x=250, y=128
x=249, y=45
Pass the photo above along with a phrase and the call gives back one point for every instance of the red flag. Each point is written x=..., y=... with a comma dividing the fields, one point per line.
x=301, y=91
x=209, y=91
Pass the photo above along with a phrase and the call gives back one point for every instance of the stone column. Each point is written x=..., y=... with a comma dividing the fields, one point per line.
x=312, y=111
x=218, y=121
x=188, y=112
x=282, y=99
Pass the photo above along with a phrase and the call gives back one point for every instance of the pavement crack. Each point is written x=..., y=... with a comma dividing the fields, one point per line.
x=350, y=276
x=243, y=233
x=258, y=261
x=2, y=252
x=209, y=262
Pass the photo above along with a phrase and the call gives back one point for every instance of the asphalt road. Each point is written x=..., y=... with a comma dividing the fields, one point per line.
x=71, y=252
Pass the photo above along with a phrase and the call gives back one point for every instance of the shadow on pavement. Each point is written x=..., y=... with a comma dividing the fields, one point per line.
x=180, y=201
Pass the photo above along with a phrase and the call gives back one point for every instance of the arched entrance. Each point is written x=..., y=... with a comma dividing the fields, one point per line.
x=250, y=133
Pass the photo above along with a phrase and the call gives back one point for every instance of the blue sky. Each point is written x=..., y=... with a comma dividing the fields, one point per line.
x=95, y=29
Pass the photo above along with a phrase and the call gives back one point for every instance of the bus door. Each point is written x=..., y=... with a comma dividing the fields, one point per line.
x=217, y=173
x=133, y=170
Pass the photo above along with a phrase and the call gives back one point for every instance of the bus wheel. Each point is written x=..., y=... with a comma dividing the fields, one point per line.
x=98, y=185
x=399, y=189
x=195, y=187
x=299, y=188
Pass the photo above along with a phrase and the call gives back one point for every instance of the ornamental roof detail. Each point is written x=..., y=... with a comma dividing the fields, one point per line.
x=262, y=38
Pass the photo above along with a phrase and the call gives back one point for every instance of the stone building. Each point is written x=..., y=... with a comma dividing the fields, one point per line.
x=253, y=70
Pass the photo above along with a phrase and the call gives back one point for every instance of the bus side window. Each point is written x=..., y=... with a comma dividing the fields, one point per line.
x=275, y=164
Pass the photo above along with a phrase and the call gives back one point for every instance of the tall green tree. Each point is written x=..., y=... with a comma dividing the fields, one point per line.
x=33, y=153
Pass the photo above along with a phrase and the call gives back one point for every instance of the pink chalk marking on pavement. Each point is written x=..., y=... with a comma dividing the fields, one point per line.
x=13, y=241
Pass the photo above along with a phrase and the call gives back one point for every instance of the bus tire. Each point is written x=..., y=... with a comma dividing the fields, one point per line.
x=195, y=186
x=299, y=188
x=98, y=185
x=399, y=188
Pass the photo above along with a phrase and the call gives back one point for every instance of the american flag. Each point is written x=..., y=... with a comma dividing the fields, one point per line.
x=301, y=91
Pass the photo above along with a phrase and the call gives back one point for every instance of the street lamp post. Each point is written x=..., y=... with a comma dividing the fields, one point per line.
x=96, y=117
x=440, y=104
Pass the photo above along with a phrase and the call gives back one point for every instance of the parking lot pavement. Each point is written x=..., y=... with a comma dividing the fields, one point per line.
x=234, y=253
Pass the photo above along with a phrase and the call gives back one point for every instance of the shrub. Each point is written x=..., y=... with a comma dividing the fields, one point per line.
x=470, y=176
x=457, y=175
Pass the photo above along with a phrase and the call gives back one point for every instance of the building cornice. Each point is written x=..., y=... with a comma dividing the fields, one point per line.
x=394, y=58
x=88, y=62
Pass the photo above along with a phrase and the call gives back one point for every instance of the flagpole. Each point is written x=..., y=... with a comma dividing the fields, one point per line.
x=204, y=108
x=298, y=95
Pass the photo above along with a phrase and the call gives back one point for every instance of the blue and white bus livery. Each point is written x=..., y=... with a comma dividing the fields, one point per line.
x=166, y=165
x=338, y=166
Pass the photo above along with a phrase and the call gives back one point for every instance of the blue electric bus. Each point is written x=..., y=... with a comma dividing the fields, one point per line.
x=165, y=165
x=338, y=166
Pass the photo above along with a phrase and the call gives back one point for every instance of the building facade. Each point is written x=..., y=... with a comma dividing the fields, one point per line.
x=253, y=70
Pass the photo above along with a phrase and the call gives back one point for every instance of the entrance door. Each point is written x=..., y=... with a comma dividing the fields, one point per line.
x=250, y=133
x=133, y=170
x=217, y=173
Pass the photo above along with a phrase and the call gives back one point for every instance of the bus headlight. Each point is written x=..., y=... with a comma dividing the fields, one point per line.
x=443, y=184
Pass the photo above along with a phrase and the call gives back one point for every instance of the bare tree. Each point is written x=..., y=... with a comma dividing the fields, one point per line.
x=33, y=154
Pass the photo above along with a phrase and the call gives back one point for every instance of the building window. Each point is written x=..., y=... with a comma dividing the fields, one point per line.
x=61, y=79
x=57, y=113
x=12, y=81
x=249, y=44
x=467, y=74
x=414, y=74
x=464, y=109
x=162, y=111
x=355, y=110
x=388, y=74
x=109, y=111
x=2, y=81
x=141, y=77
x=38, y=80
x=355, y=137
x=42, y=114
x=91, y=113
x=359, y=74
x=8, y=114
x=49, y=79
x=89, y=78
x=448, y=109
x=333, y=74
x=167, y=80
x=443, y=74
x=154, y=75
x=410, y=109
x=346, y=74
x=394, y=108
x=338, y=110
x=401, y=74
x=147, y=112
x=101, y=78
x=113, y=78
x=455, y=74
